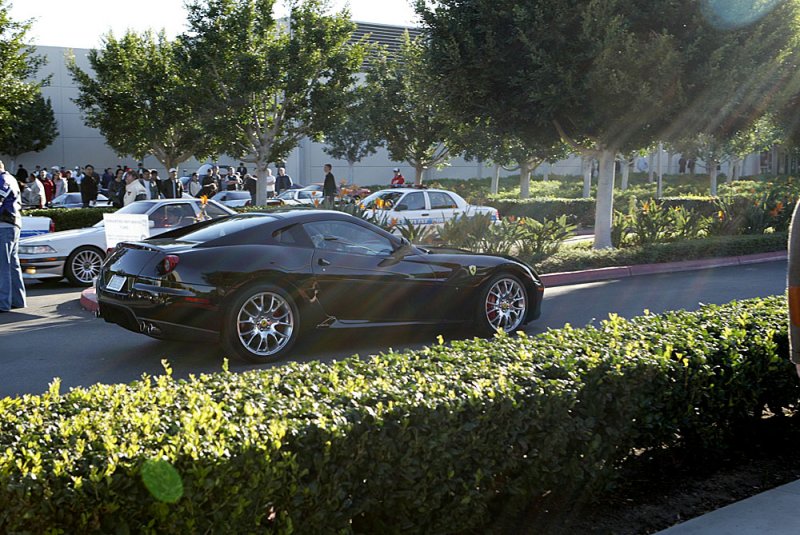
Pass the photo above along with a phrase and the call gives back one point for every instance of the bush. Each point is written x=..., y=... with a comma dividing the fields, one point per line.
x=425, y=441
x=72, y=218
x=579, y=212
x=583, y=257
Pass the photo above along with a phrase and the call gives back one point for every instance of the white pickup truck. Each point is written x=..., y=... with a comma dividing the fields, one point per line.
x=35, y=225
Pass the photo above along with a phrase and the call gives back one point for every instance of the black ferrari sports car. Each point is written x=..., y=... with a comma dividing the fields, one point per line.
x=257, y=282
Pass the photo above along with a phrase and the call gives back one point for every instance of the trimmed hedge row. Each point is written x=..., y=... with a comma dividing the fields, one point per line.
x=577, y=258
x=424, y=441
x=71, y=218
x=581, y=211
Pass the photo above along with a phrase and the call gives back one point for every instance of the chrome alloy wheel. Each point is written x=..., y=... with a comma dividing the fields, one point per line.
x=505, y=305
x=265, y=323
x=86, y=265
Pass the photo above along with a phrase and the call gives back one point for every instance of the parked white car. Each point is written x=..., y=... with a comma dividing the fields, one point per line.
x=78, y=254
x=296, y=197
x=36, y=225
x=74, y=200
x=233, y=198
x=422, y=206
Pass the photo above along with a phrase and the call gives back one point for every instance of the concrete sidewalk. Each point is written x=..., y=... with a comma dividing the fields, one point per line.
x=774, y=512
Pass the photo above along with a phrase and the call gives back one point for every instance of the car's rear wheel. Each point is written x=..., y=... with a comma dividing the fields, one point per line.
x=503, y=305
x=83, y=265
x=261, y=324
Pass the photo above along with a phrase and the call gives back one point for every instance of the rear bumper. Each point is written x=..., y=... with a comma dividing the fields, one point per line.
x=162, y=312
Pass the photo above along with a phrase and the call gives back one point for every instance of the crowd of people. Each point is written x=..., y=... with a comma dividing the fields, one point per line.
x=126, y=184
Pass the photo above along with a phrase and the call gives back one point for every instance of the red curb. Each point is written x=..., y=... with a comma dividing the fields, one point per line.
x=763, y=257
x=689, y=265
x=589, y=275
x=602, y=274
x=89, y=300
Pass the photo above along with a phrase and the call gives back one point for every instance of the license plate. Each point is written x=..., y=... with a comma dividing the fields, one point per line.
x=116, y=283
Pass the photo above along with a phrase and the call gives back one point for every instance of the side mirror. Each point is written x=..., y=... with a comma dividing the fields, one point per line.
x=151, y=223
x=401, y=208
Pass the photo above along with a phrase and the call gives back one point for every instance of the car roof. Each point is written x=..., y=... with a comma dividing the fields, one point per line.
x=408, y=190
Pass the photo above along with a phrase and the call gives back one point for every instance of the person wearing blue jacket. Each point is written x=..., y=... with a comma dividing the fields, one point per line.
x=12, y=288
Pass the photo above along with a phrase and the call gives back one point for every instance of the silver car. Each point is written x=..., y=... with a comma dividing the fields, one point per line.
x=78, y=254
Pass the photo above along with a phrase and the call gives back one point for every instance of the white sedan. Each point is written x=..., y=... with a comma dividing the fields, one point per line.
x=423, y=206
x=296, y=197
x=78, y=254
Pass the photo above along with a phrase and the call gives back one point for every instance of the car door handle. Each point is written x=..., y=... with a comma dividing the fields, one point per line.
x=323, y=262
x=425, y=215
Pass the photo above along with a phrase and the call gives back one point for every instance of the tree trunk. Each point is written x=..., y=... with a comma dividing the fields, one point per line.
x=418, y=169
x=626, y=172
x=524, y=180
x=660, y=187
x=669, y=161
x=546, y=174
x=712, y=175
x=261, y=182
x=586, y=165
x=350, y=172
x=650, y=169
x=604, y=206
x=733, y=169
x=496, y=179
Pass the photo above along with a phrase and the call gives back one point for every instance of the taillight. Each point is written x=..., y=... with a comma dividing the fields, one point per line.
x=168, y=264
x=52, y=226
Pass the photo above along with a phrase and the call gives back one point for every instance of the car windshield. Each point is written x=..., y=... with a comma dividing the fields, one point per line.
x=289, y=194
x=225, y=227
x=138, y=207
x=382, y=200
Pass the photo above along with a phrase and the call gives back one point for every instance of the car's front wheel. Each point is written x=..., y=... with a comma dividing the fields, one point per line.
x=83, y=265
x=261, y=324
x=502, y=305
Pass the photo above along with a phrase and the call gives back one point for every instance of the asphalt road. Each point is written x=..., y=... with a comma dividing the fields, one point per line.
x=55, y=337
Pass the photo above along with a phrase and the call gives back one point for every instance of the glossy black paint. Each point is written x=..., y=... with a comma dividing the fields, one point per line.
x=333, y=289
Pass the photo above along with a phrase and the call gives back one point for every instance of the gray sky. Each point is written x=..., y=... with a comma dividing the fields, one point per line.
x=80, y=23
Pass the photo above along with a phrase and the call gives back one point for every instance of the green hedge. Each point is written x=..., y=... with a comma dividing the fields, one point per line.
x=578, y=258
x=72, y=218
x=427, y=441
x=581, y=211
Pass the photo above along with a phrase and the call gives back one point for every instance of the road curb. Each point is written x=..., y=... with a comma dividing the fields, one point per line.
x=89, y=297
x=89, y=300
x=603, y=274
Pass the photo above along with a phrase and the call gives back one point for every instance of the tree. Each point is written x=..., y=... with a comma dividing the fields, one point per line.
x=18, y=67
x=618, y=73
x=407, y=114
x=34, y=128
x=141, y=98
x=354, y=139
x=267, y=84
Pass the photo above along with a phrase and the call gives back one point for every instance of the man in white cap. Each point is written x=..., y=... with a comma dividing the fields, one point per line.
x=172, y=187
x=398, y=179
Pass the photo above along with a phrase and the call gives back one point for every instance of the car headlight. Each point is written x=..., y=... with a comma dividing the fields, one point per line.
x=36, y=249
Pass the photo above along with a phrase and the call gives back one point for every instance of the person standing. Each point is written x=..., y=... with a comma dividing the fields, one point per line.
x=12, y=287
x=49, y=187
x=329, y=185
x=195, y=187
x=172, y=187
x=251, y=185
x=134, y=189
x=270, y=181
x=61, y=186
x=241, y=170
x=33, y=195
x=398, y=179
x=282, y=181
x=232, y=181
x=116, y=190
x=22, y=174
x=90, y=185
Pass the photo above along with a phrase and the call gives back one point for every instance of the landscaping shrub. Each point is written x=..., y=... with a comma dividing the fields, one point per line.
x=579, y=212
x=424, y=441
x=72, y=218
x=576, y=258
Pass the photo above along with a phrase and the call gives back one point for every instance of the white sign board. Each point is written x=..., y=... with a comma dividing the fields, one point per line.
x=125, y=227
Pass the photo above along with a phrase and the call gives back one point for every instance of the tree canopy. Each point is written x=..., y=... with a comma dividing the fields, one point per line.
x=140, y=97
x=266, y=83
x=33, y=128
x=18, y=67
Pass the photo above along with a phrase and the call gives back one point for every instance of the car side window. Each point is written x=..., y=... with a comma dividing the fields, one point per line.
x=441, y=201
x=414, y=201
x=172, y=215
x=291, y=236
x=214, y=212
x=344, y=237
